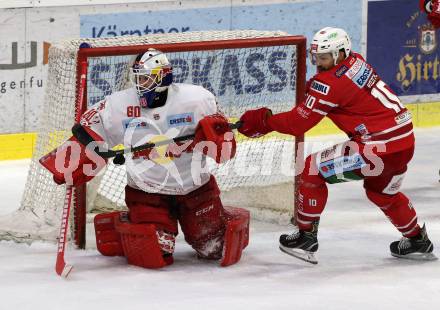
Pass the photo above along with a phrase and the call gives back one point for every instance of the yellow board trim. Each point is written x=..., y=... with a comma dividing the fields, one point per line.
x=423, y=114
x=21, y=145
x=17, y=146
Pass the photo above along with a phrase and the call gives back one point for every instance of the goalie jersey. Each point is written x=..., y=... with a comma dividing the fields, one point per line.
x=354, y=97
x=120, y=120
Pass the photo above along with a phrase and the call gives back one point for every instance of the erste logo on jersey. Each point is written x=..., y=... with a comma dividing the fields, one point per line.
x=320, y=87
x=362, y=77
x=177, y=120
x=359, y=73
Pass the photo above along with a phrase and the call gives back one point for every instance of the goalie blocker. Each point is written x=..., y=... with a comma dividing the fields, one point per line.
x=146, y=234
x=76, y=162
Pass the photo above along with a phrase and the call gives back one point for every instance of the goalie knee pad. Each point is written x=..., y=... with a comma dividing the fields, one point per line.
x=150, y=209
x=228, y=242
x=201, y=217
x=144, y=245
x=108, y=240
x=204, y=228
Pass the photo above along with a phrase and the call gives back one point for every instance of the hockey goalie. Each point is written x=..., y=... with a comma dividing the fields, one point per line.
x=167, y=185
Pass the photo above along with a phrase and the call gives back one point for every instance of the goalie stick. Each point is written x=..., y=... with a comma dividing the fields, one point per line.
x=61, y=268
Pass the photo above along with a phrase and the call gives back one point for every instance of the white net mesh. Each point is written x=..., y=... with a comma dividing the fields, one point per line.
x=259, y=178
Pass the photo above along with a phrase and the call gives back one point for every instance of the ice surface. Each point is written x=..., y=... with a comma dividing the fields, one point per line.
x=355, y=269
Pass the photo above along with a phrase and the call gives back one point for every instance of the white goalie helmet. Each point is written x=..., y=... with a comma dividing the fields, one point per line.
x=151, y=70
x=330, y=40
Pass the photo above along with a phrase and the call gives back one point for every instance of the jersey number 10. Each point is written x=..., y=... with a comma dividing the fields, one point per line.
x=386, y=97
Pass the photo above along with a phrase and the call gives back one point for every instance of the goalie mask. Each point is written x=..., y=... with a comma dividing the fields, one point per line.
x=330, y=40
x=151, y=74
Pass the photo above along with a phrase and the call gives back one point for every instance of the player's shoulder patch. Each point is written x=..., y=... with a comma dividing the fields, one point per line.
x=355, y=68
x=320, y=87
x=341, y=71
x=359, y=73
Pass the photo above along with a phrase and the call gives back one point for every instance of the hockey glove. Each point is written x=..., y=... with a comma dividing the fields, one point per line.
x=254, y=123
x=73, y=162
x=214, y=138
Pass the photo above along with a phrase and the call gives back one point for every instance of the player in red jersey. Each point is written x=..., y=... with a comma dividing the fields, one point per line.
x=347, y=90
x=432, y=9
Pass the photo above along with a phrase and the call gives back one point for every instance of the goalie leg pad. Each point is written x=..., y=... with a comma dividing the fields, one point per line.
x=141, y=245
x=201, y=217
x=108, y=240
x=236, y=235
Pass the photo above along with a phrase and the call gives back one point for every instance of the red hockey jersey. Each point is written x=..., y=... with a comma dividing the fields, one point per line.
x=354, y=97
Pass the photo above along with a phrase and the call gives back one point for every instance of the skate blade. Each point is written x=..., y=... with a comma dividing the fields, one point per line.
x=301, y=254
x=417, y=256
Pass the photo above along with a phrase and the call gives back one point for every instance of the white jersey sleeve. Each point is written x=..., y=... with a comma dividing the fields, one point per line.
x=95, y=119
x=107, y=116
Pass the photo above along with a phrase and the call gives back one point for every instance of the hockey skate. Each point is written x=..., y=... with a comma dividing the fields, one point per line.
x=301, y=244
x=417, y=248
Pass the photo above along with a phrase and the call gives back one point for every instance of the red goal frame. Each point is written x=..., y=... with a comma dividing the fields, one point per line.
x=79, y=199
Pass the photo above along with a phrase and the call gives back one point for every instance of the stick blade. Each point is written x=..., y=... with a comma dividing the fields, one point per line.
x=66, y=271
x=61, y=268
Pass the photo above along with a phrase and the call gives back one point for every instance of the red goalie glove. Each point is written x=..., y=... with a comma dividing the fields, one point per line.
x=432, y=9
x=254, y=123
x=74, y=163
x=214, y=138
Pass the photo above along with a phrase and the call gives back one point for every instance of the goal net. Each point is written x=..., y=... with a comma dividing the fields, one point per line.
x=244, y=69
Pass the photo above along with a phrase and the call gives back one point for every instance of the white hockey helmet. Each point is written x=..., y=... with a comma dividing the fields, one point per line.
x=426, y=5
x=151, y=70
x=330, y=40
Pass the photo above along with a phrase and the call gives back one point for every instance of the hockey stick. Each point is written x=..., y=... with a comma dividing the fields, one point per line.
x=61, y=267
x=83, y=136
